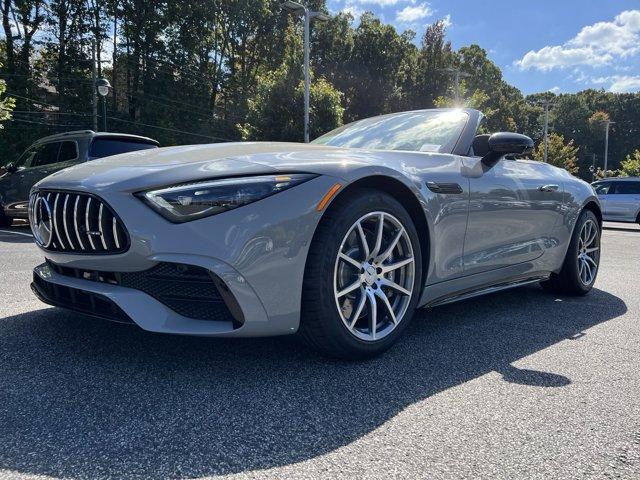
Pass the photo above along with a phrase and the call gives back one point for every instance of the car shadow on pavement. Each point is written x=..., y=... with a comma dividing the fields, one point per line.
x=15, y=235
x=81, y=398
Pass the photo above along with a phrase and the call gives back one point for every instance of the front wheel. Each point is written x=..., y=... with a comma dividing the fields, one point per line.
x=362, y=278
x=582, y=261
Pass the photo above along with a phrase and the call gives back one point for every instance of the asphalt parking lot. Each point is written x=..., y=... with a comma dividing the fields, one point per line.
x=519, y=384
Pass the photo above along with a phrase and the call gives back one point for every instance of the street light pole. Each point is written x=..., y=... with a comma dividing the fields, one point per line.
x=457, y=75
x=546, y=104
x=102, y=85
x=607, y=124
x=94, y=78
x=307, y=15
x=307, y=76
x=546, y=131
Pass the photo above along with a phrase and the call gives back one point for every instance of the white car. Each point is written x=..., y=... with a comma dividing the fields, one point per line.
x=620, y=199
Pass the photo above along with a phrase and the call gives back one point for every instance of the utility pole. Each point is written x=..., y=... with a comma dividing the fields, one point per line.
x=546, y=104
x=607, y=124
x=546, y=132
x=94, y=77
x=307, y=15
x=307, y=75
x=457, y=75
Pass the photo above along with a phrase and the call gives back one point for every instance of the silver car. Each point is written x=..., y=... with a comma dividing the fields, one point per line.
x=620, y=199
x=340, y=240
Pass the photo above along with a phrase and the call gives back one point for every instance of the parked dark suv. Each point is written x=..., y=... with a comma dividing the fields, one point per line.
x=53, y=153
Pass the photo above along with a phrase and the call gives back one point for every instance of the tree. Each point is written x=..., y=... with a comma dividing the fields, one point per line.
x=379, y=63
x=477, y=99
x=435, y=55
x=560, y=153
x=630, y=166
x=6, y=104
x=269, y=118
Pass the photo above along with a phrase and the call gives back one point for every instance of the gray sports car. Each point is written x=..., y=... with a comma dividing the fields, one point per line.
x=340, y=240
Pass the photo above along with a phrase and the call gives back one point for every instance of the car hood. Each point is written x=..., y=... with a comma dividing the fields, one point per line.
x=135, y=171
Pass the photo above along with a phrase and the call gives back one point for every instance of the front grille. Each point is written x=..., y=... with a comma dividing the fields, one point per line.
x=81, y=301
x=79, y=223
x=191, y=291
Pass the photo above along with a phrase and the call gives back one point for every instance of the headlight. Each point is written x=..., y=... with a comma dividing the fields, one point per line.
x=186, y=202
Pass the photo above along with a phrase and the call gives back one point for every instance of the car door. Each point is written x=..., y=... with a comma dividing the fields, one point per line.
x=11, y=184
x=602, y=190
x=623, y=200
x=514, y=207
x=42, y=165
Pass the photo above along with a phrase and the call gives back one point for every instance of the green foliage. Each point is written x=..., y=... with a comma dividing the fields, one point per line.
x=6, y=104
x=560, y=153
x=630, y=166
x=271, y=118
x=600, y=173
x=214, y=70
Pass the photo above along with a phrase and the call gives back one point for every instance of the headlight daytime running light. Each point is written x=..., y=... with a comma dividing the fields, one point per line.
x=186, y=202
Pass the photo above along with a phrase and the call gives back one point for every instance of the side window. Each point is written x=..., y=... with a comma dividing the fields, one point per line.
x=68, y=151
x=627, y=188
x=602, y=188
x=26, y=159
x=47, y=154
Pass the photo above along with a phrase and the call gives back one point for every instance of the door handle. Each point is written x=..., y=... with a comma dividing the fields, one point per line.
x=549, y=188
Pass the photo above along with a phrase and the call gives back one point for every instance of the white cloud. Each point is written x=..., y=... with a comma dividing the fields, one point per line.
x=355, y=11
x=381, y=3
x=595, y=45
x=555, y=90
x=414, y=13
x=548, y=58
x=447, y=21
x=625, y=84
x=619, y=83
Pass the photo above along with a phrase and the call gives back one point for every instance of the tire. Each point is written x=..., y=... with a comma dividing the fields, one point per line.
x=578, y=276
x=326, y=328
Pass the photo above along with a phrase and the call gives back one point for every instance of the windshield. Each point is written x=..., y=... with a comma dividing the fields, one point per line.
x=421, y=131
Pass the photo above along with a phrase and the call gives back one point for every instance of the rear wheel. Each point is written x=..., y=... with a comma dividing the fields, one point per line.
x=362, y=277
x=582, y=261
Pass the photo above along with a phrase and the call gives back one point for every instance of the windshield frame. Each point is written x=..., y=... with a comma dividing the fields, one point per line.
x=459, y=144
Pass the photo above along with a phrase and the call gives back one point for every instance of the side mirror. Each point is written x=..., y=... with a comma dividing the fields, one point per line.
x=506, y=143
x=11, y=167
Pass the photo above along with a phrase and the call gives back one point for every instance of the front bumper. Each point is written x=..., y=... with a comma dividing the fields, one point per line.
x=257, y=251
x=171, y=301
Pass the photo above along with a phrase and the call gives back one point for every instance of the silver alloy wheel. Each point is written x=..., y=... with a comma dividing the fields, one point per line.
x=588, y=252
x=375, y=268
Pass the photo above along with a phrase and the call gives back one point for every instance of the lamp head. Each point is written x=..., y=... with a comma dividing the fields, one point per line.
x=103, y=86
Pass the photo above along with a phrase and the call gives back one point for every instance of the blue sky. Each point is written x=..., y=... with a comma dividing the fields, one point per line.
x=540, y=45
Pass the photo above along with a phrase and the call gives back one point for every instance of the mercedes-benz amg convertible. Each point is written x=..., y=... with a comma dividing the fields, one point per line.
x=339, y=240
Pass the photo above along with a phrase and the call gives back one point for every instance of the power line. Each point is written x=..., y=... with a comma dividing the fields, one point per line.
x=190, y=108
x=204, y=116
x=75, y=79
x=29, y=112
x=11, y=94
x=44, y=123
x=127, y=121
x=171, y=129
x=172, y=68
